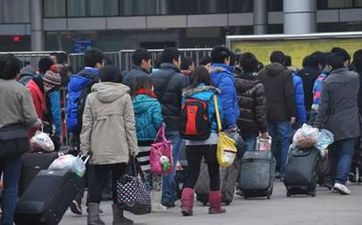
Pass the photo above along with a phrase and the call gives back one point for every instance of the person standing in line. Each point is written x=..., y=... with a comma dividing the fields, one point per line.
x=109, y=136
x=142, y=67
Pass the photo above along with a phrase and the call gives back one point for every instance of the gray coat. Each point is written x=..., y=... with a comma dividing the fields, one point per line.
x=338, y=110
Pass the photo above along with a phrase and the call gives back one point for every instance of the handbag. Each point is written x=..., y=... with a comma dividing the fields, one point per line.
x=226, y=149
x=13, y=140
x=134, y=193
x=161, y=160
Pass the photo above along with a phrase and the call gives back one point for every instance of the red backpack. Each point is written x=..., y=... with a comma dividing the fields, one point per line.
x=195, y=123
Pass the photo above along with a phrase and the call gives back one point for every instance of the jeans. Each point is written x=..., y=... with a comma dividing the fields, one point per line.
x=194, y=156
x=168, y=186
x=250, y=141
x=340, y=159
x=11, y=168
x=98, y=181
x=280, y=131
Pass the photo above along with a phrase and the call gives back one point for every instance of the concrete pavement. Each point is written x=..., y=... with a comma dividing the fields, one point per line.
x=325, y=209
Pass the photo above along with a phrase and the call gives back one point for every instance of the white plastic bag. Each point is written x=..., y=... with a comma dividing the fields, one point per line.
x=43, y=141
x=325, y=139
x=70, y=162
x=306, y=137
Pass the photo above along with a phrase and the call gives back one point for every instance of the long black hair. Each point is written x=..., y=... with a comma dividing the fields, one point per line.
x=200, y=75
x=143, y=82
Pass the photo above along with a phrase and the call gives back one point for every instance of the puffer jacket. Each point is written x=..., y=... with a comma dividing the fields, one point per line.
x=148, y=117
x=279, y=92
x=133, y=74
x=54, y=98
x=206, y=93
x=223, y=79
x=108, y=129
x=299, y=99
x=169, y=83
x=252, y=104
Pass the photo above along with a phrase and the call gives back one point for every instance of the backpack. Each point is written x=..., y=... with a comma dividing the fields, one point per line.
x=195, y=122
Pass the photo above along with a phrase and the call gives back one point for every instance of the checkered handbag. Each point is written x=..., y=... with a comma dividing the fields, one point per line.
x=133, y=192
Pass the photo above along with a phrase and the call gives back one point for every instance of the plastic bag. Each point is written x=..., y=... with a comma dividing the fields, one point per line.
x=69, y=162
x=325, y=139
x=306, y=137
x=43, y=141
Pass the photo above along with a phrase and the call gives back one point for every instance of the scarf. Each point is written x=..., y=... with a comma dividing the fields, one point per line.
x=143, y=91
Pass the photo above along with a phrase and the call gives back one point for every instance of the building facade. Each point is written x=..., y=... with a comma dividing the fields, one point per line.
x=126, y=24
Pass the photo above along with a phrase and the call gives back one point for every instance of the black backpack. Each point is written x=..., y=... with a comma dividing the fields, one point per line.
x=195, y=123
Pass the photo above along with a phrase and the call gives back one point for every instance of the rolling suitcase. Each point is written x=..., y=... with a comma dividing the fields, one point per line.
x=301, y=172
x=257, y=172
x=32, y=163
x=228, y=178
x=47, y=198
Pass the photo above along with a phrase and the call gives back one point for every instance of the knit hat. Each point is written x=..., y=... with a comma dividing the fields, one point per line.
x=52, y=78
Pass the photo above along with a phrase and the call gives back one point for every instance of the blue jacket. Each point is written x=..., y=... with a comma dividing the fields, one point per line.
x=84, y=79
x=206, y=93
x=223, y=79
x=299, y=99
x=54, y=98
x=148, y=117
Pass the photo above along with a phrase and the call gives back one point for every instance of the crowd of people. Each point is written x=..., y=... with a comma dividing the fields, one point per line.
x=115, y=116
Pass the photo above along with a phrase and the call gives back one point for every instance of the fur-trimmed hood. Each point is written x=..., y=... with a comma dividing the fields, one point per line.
x=189, y=92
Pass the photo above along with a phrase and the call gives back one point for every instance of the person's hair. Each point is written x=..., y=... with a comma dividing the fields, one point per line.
x=320, y=58
x=200, y=75
x=139, y=55
x=205, y=60
x=335, y=60
x=110, y=73
x=170, y=54
x=357, y=60
x=61, y=58
x=277, y=57
x=186, y=62
x=92, y=57
x=248, y=62
x=9, y=67
x=287, y=60
x=342, y=52
x=44, y=64
x=143, y=82
x=220, y=53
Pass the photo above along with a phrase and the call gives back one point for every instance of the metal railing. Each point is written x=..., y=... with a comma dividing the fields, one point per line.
x=31, y=58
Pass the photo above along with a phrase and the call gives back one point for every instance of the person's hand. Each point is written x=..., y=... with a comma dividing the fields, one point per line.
x=265, y=135
x=292, y=120
x=231, y=129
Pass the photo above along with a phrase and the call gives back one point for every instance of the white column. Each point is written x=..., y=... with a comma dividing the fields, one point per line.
x=260, y=16
x=299, y=16
x=37, y=30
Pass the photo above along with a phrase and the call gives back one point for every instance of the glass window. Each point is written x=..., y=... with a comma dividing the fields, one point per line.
x=236, y=6
x=103, y=7
x=139, y=7
x=212, y=6
x=275, y=5
x=184, y=7
x=76, y=8
x=358, y=3
x=54, y=8
x=14, y=11
x=340, y=3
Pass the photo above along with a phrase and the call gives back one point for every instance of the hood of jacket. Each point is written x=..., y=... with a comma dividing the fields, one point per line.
x=189, y=92
x=109, y=92
x=274, y=69
x=83, y=78
x=28, y=70
x=142, y=103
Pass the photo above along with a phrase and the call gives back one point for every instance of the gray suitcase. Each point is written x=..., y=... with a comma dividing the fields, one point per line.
x=257, y=172
x=228, y=179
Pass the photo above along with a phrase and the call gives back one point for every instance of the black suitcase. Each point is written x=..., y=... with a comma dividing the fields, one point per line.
x=301, y=172
x=47, y=198
x=257, y=172
x=32, y=163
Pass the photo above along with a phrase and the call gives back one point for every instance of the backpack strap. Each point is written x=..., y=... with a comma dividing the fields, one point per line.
x=218, y=120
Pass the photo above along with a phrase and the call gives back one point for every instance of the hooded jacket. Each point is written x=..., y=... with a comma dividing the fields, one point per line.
x=148, y=117
x=252, y=104
x=279, y=93
x=301, y=113
x=108, y=129
x=26, y=74
x=223, y=79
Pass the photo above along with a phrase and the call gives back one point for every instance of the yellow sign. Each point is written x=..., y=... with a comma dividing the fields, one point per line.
x=297, y=49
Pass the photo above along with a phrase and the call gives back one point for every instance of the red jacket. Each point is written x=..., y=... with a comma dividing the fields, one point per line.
x=39, y=102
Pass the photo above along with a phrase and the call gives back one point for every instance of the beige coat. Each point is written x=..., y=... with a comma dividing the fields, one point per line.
x=108, y=130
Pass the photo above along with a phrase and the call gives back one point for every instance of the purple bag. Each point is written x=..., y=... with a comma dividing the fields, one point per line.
x=161, y=160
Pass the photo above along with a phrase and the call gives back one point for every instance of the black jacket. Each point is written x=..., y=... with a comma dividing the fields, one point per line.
x=252, y=104
x=133, y=74
x=309, y=75
x=169, y=83
x=279, y=92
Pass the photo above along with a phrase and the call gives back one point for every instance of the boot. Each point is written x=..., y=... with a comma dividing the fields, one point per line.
x=187, y=201
x=156, y=202
x=215, y=202
x=118, y=217
x=93, y=216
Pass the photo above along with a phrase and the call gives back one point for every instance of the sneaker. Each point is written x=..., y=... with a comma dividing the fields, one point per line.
x=342, y=189
x=76, y=208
